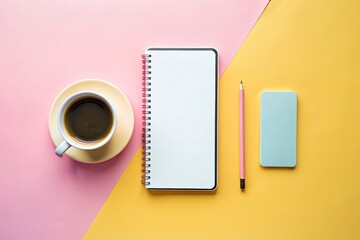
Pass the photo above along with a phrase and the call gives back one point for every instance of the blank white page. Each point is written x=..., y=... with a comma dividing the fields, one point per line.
x=183, y=118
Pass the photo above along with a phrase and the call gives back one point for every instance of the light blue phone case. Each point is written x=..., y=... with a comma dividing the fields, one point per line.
x=278, y=113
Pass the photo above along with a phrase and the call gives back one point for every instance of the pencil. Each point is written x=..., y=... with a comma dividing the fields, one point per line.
x=242, y=143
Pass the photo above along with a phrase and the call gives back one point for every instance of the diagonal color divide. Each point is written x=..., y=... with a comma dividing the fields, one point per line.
x=306, y=46
x=45, y=46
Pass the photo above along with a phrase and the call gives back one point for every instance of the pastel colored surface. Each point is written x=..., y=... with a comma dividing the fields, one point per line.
x=278, y=115
x=46, y=45
x=310, y=47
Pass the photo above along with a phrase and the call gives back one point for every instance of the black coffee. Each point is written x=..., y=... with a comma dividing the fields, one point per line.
x=88, y=119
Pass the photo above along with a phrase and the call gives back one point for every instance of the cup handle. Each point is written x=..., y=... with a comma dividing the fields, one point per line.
x=61, y=149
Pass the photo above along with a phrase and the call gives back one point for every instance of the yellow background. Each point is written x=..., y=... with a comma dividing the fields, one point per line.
x=313, y=48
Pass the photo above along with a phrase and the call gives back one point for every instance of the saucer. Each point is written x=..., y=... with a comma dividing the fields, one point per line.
x=124, y=125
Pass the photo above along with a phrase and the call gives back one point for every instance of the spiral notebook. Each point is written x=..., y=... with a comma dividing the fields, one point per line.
x=180, y=90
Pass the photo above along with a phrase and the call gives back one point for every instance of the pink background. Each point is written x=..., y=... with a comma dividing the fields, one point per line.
x=46, y=45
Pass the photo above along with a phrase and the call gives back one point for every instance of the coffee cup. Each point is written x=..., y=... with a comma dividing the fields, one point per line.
x=86, y=121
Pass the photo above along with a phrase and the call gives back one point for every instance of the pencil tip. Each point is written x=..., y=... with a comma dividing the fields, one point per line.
x=242, y=184
x=241, y=82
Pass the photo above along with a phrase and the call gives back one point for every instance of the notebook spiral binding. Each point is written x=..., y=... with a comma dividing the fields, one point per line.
x=146, y=119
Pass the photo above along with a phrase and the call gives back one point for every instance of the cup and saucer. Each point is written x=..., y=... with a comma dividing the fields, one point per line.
x=91, y=121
